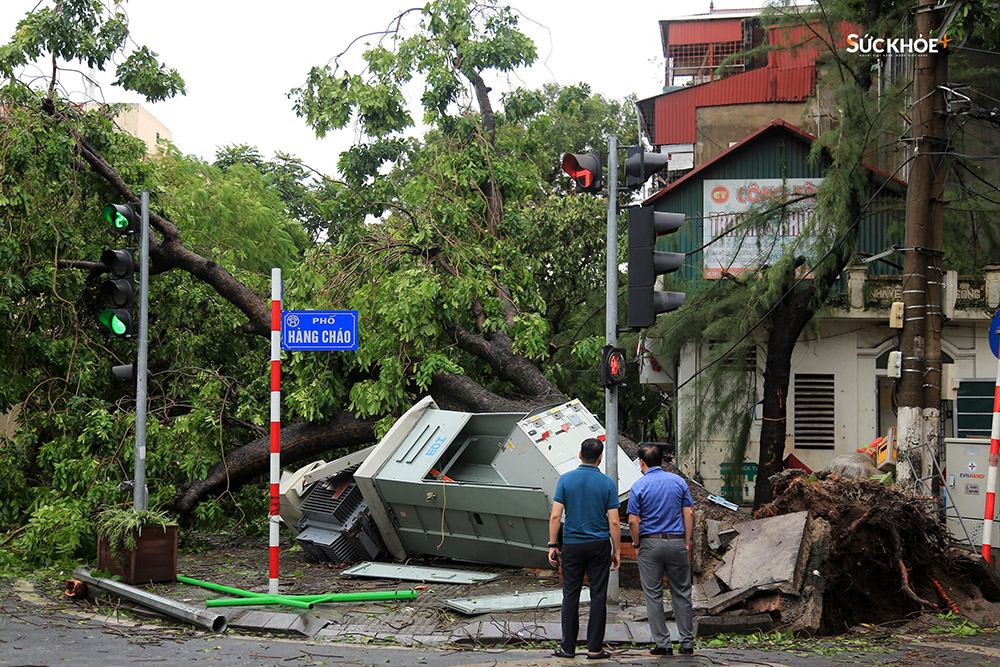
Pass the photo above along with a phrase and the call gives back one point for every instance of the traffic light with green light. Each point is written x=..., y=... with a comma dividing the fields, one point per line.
x=119, y=291
x=123, y=218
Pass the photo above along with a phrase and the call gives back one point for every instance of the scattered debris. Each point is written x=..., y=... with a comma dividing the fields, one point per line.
x=417, y=573
x=719, y=500
x=76, y=589
x=517, y=601
x=832, y=552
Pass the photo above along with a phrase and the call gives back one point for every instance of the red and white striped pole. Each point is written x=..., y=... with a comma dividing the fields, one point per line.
x=991, y=477
x=275, y=428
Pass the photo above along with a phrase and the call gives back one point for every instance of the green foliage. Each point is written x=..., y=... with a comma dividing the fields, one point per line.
x=456, y=38
x=120, y=527
x=86, y=31
x=801, y=646
x=409, y=239
x=56, y=531
x=956, y=626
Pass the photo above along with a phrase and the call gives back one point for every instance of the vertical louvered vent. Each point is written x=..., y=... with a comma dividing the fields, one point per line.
x=814, y=412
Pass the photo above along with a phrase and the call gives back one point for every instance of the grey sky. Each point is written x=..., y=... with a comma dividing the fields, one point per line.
x=240, y=58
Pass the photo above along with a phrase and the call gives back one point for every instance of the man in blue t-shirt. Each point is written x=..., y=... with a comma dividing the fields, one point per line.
x=591, y=545
x=660, y=521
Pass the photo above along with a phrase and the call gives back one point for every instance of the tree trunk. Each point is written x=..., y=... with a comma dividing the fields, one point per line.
x=789, y=321
x=298, y=442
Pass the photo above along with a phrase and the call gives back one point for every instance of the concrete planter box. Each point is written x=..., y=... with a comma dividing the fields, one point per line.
x=153, y=560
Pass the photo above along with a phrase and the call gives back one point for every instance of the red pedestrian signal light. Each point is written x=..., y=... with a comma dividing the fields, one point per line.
x=586, y=170
x=612, y=366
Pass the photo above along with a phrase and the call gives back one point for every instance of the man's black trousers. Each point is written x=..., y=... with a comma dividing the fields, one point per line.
x=594, y=560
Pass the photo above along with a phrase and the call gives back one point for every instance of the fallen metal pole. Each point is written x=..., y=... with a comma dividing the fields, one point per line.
x=178, y=610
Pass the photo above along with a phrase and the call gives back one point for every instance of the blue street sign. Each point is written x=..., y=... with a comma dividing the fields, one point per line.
x=319, y=329
x=995, y=335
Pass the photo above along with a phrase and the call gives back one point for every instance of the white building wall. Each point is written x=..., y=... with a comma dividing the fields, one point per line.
x=850, y=349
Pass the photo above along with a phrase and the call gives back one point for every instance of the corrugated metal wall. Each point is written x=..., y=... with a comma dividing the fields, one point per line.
x=676, y=111
x=776, y=153
x=705, y=32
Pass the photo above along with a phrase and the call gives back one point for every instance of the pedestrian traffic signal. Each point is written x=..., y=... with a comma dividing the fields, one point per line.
x=645, y=264
x=612, y=366
x=124, y=218
x=586, y=169
x=119, y=291
x=640, y=166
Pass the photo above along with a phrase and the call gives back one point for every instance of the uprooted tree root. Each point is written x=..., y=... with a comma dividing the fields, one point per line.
x=889, y=553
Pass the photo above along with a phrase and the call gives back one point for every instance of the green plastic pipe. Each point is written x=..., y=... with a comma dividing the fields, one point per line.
x=259, y=599
x=328, y=597
x=363, y=595
x=218, y=587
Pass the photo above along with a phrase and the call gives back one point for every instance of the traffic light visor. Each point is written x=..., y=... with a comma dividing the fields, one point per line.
x=122, y=217
x=585, y=170
x=118, y=321
x=571, y=165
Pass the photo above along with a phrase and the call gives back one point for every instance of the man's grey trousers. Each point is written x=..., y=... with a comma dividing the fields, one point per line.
x=658, y=556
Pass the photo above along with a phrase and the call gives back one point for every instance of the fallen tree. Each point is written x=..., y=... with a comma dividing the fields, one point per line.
x=890, y=556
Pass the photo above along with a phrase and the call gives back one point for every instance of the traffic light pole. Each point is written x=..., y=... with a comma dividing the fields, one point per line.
x=611, y=335
x=141, y=496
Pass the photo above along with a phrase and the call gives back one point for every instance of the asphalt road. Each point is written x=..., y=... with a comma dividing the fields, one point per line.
x=37, y=630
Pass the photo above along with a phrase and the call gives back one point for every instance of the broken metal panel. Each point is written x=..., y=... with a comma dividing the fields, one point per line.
x=417, y=573
x=294, y=485
x=767, y=551
x=517, y=601
x=337, y=466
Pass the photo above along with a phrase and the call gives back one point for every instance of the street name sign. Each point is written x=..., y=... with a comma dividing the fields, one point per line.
x=319, y=330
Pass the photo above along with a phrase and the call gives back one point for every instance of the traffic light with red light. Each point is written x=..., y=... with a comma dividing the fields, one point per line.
x=586, y=170
x=612, y=366
x=645, y=302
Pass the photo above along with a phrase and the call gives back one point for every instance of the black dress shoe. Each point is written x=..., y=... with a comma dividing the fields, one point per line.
x=659, y=650
x=687, y=651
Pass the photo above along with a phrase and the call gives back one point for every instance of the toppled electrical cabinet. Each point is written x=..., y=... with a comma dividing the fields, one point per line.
x=475, y=487
x=335, y=525
x=322, y=505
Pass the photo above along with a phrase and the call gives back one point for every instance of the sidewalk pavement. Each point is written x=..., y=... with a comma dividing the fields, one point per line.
x=41, y=625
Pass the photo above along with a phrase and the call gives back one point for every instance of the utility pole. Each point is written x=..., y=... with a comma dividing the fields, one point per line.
x=934, y=315
x=611, y=335
x=920, y=381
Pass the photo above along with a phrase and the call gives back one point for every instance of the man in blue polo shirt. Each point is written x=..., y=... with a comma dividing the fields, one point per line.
x=591, y=545
x=660, y=521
